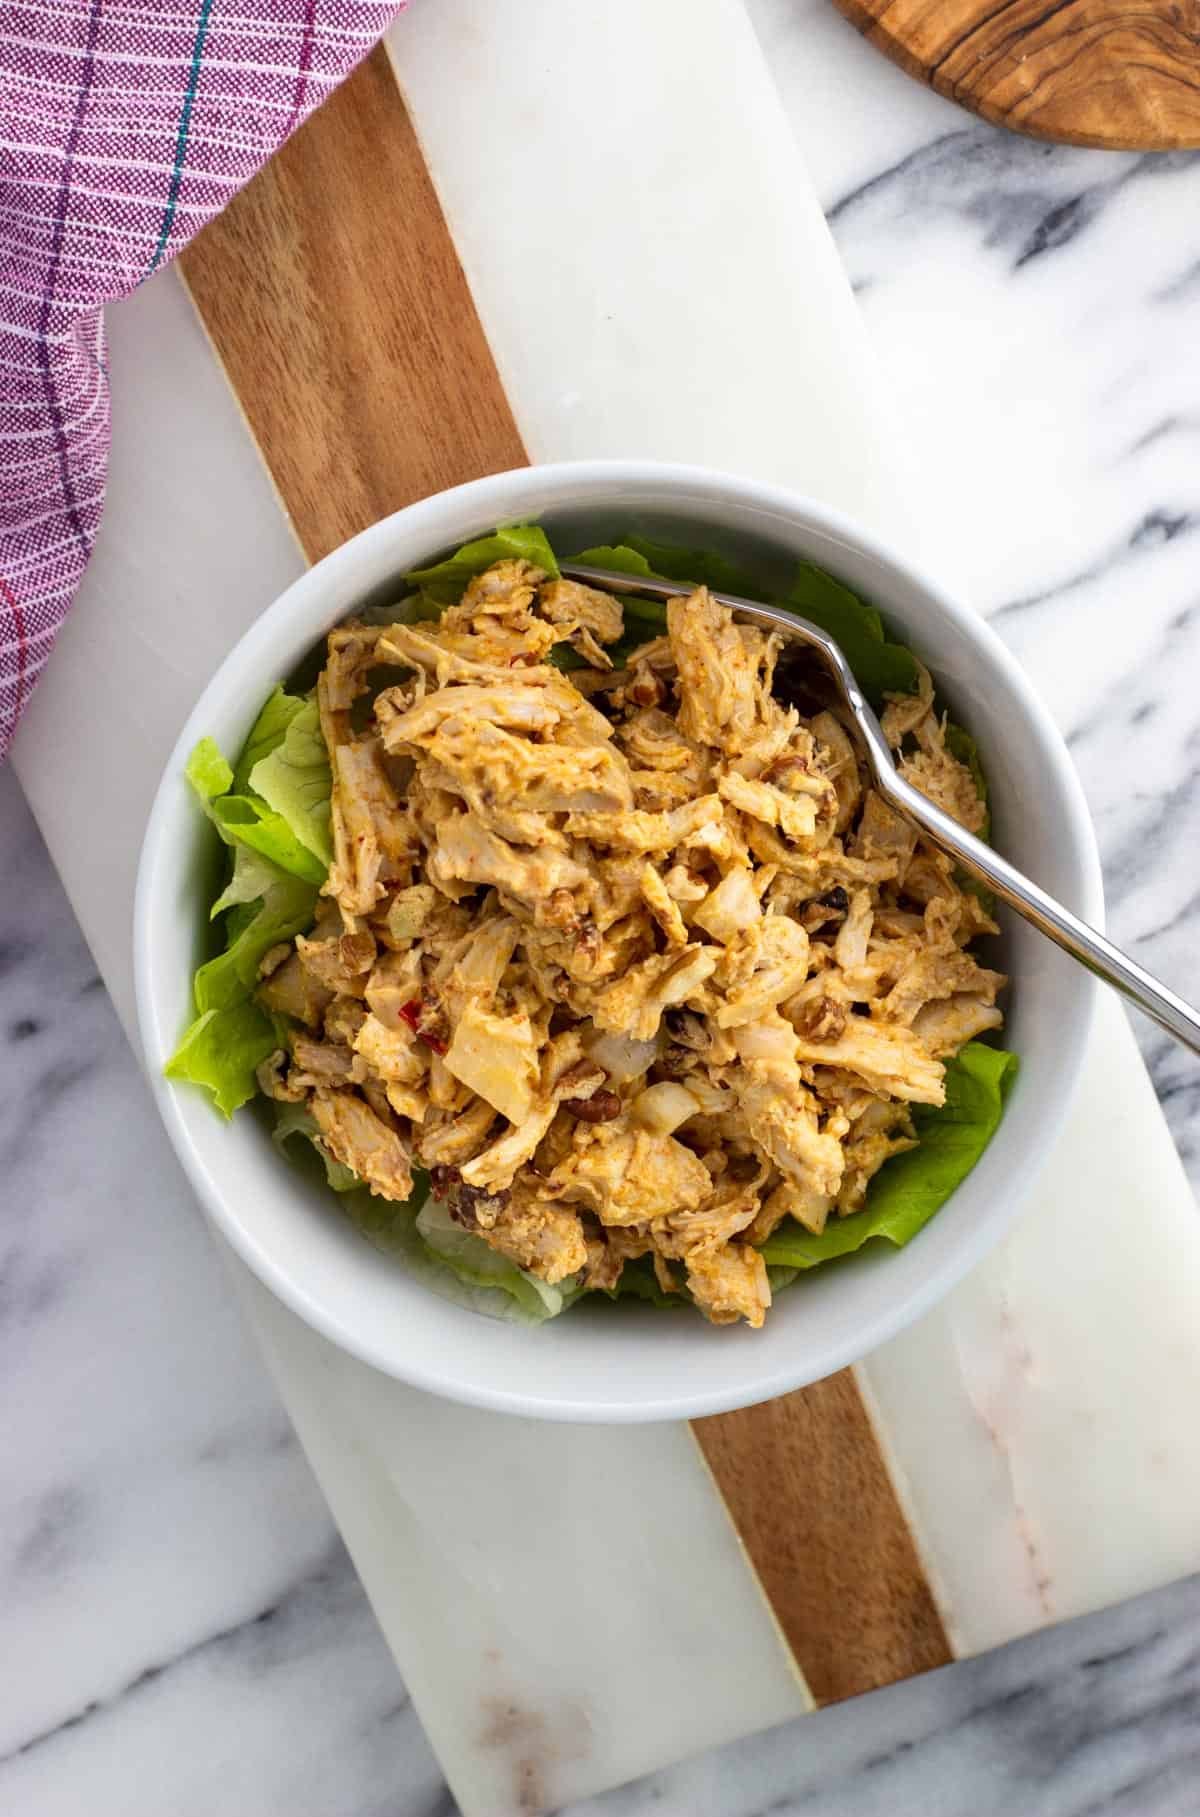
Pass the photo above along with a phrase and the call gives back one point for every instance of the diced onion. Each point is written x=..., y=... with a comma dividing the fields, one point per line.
x=621, y=1056
x=662, y=1108
x=732, y=905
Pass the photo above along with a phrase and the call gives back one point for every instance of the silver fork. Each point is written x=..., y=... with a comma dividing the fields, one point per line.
x=1083, y=943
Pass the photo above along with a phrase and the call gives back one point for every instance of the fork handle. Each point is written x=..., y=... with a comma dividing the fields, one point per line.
x=1083, y=943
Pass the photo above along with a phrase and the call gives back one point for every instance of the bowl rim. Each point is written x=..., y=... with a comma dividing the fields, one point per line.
x=321, y=580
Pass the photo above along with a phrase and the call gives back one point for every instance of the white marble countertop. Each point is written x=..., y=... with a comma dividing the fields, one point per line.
x=189, y=1632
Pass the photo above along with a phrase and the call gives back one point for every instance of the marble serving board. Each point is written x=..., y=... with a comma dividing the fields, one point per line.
x=411, y=295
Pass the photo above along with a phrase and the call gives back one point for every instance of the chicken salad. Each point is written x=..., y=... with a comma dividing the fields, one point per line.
x=586, y=960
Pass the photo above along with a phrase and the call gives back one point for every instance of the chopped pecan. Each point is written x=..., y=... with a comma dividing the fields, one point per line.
x=601, y=1107
x=441, y=1179
x=582, y=1080
x=822, y=1019
x=785, y=769
x=587, y=937
x=474, y=1207
x=560, y=910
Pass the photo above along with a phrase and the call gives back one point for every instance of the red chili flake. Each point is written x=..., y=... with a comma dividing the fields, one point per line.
x=414, y=1014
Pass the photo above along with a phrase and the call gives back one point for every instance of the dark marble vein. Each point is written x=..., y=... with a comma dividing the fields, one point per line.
x=53, y=1536
x=1167, y=427
x=1019, y=196
x=1058, y=227
x=1180, y=289
x=1079, y=1721
x=1153, y=531
x=284, y=1627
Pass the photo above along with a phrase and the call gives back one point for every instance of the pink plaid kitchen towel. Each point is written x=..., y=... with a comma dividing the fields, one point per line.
x=124, y=126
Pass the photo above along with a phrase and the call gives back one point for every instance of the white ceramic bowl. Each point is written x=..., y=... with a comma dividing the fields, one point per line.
x=615, y=1362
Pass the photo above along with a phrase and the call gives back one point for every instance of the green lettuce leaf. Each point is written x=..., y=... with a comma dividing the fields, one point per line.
x=908, y=1189
x=285, y=910
x=645, y=619
x=879, y=667
x=294, y=780
x=617, y=556
x=700, y=566
x=270, y=897
x=245, y=819
x=450, y=1261
x=221, y=1050
x=207, y=771
x=388, y=1223
x=252, y=877
x=639, y=1282
x=476, y=1266
x=413, y=609
x=266, y=734
x=567, y=657
x=446, y=580
x=457, y=1264
x=437, y=1251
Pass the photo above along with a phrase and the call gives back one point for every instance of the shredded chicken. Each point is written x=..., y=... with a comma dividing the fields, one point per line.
x=636, y=968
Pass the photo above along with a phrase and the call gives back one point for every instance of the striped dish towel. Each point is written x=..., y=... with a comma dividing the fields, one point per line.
x=124, y=126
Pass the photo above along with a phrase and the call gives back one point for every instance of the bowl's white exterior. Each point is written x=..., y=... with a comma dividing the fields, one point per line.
x=613, y=1362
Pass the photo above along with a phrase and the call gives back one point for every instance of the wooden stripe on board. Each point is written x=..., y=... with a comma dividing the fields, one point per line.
x=334, y=297
x=809, y=1492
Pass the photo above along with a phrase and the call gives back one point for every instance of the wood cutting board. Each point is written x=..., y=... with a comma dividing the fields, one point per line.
x=334, y=297
x=1120, y=74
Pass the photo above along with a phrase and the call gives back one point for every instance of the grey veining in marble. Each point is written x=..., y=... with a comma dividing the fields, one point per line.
x=182, y=1630
x=1034, y=308
x=1098, y=1719
x=191, y=1636
x=182, y=1633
